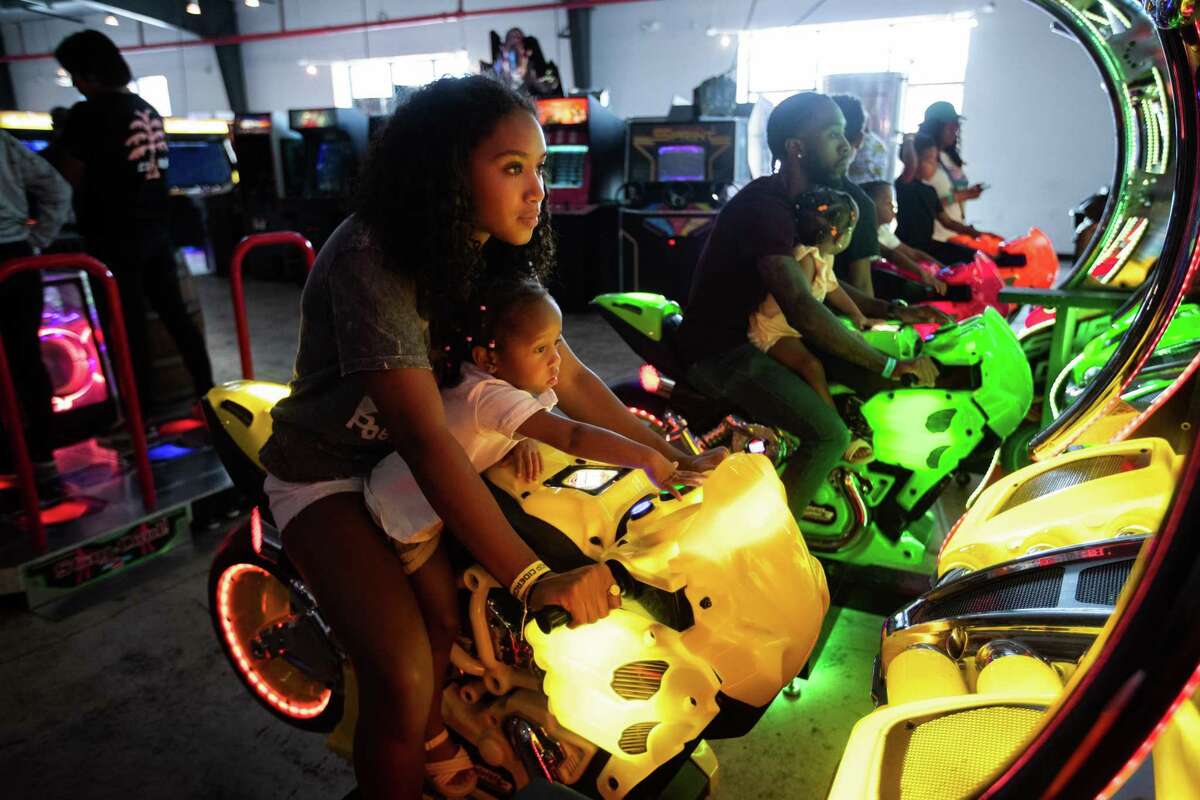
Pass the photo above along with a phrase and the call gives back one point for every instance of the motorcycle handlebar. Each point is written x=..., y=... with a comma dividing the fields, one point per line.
x=550, y=617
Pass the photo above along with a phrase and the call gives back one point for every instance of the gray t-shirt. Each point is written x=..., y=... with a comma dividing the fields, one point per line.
x=356, y=316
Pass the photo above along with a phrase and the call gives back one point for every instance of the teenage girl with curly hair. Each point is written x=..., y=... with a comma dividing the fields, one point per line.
x=451, y=192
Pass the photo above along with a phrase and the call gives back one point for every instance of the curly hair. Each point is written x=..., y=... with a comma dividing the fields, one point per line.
x=821, y=213
x=488, y=318
x=414, y=197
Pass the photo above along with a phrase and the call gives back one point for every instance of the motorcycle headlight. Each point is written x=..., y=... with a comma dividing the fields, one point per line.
x=592, y=480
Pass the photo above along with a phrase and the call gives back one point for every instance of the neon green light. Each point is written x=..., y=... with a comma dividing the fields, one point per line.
x=1127, y=123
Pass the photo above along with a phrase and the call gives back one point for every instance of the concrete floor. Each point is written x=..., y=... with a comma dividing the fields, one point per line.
x=122, y=691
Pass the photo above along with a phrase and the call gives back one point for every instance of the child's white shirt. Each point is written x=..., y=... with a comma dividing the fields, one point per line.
x=768, y=324
x=483, y=414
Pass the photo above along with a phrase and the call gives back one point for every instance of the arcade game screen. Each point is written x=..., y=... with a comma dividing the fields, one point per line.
x=335, y=166
x=73, y=356
x=681, y=162
x=198, y=163
x=563, y=111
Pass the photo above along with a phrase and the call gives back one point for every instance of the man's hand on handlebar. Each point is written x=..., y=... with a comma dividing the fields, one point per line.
x=585, y=593
x=914, y=314
x=922, y=370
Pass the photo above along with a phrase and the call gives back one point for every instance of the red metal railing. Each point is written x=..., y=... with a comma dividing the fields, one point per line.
x=119, y=342
x=236, y=288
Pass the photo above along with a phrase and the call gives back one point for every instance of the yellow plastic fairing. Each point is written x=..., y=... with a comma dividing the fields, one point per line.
x=630, y=686
x=936, y=749
x=235, y=402
x=641, y=690
x=1082, y=496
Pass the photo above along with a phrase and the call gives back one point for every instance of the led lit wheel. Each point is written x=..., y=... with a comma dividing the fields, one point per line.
x=250, y=599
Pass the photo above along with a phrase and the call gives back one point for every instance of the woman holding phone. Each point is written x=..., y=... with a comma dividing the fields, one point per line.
x=943, y=124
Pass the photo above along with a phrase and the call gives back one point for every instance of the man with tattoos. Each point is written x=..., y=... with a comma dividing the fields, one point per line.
x=747, y=256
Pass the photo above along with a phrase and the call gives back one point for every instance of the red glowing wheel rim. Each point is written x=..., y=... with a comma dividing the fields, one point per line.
x=249, y=599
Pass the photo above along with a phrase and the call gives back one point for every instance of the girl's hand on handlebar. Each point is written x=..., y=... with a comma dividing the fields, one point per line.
x=661, y=472
x=585, y=593
x=922, y=369
x=526, y=460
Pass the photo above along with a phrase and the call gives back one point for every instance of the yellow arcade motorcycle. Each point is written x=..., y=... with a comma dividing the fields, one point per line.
x=722, y=607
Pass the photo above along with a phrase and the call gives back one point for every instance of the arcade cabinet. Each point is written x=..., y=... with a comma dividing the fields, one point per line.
x=204, y=218
x=201, y=176
x=584, y=154
x=320, y=167
x=258, y=141
x=679, y=171
x=72, y=345
x=76, y=358
x=33, y=128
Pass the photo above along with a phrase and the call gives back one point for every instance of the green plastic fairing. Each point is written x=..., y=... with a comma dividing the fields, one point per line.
x=641, y=310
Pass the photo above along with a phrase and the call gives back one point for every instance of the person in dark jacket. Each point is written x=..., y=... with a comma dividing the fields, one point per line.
x=114, y=152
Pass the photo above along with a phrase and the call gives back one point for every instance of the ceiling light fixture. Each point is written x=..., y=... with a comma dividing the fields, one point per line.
x=112, y=21
x=251, y=3
x=311, y=69
x=193, y=8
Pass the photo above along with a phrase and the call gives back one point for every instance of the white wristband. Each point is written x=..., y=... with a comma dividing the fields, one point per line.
x=526, y=578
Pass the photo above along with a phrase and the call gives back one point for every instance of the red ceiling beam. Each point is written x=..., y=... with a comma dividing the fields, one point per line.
x=351, y=27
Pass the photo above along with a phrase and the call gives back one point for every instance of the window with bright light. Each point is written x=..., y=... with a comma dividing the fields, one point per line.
x=154, y=90
x=370, y=78
x=930, y=51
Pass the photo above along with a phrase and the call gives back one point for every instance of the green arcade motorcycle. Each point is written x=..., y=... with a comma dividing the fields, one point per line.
x=875, y=515
x=1176, y=349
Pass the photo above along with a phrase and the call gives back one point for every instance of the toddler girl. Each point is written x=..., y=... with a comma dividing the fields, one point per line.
x=503, y=375
x=825, y=220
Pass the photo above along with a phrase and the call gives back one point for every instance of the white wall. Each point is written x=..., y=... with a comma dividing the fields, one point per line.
x=192, y=73
x=276, y=81
x=1039, y=128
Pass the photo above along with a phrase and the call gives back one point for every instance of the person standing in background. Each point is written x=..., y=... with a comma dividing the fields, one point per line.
x=943, y=124
x=25, y=176
x=853, y=265
x=114, y=153
x=869, y=162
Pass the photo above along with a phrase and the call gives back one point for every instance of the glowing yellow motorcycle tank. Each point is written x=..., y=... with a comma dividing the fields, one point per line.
x=1082, y=496
x=640, y=689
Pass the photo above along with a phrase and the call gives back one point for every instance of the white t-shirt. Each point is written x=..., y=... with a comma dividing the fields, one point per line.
x=887, y=236
x=483, y=414
x=768, y=324
x=943, y=183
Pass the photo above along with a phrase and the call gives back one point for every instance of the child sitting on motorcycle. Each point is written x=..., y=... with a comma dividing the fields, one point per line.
x=917, y=261
x=824, y=223
x=498, y=392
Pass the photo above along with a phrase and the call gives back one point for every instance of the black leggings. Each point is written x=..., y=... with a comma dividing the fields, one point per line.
x=146, y=278
x=20, y=319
